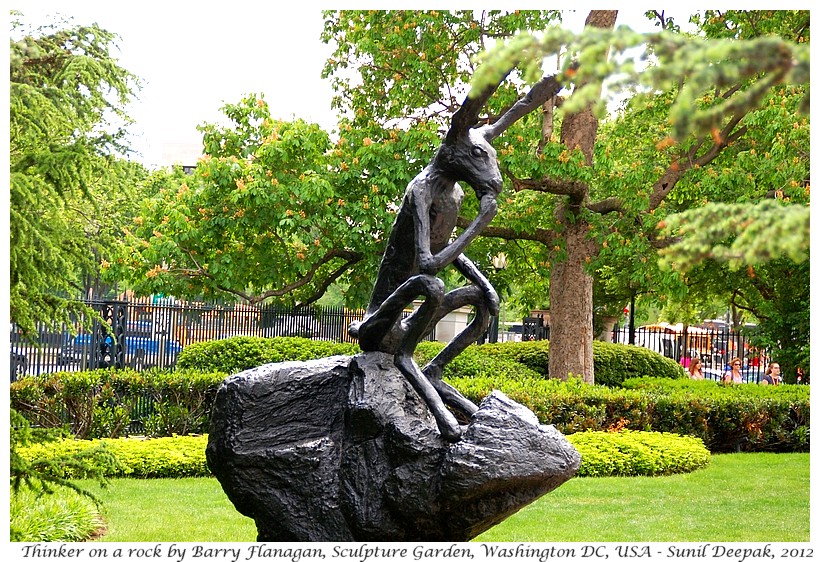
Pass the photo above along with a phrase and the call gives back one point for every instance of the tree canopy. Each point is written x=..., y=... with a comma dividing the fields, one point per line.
x=717, y=117
x=258, y=218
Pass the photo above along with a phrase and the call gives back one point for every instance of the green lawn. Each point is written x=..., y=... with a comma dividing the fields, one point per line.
x=750, y=497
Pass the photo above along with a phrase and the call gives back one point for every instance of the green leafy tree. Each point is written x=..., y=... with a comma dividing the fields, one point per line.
x=740, y=234
x=586, y=196
x=748, y=246
x=260, y=217
x=66, y=121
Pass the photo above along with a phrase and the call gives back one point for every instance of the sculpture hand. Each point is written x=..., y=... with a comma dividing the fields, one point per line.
x=488, y=205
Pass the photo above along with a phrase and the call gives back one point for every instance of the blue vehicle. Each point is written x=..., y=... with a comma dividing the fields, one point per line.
x=143, y=348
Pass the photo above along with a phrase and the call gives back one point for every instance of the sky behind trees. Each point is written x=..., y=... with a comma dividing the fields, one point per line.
x=194, y=58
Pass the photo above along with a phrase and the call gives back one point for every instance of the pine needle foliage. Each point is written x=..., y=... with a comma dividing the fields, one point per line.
x=66, y=125
x=44, y=475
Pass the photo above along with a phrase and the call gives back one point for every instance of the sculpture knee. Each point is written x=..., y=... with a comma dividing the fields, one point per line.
x=432, y=288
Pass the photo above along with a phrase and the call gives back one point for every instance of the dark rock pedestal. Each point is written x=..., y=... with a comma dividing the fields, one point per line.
x=343, y=449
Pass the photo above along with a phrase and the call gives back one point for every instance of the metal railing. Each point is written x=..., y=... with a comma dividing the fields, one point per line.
x=152, y=333
x=716, y=346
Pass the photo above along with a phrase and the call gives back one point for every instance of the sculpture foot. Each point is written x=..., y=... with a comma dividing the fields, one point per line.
x=448, y=426
x=448, y=394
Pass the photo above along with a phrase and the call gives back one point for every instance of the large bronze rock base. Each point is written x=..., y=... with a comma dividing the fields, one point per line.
x=342, y=449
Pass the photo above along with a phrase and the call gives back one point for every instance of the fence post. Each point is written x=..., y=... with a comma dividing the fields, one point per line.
x=105, y=351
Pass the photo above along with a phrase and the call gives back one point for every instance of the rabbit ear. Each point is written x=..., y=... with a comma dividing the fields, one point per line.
x=467, y=114
x=540, y=92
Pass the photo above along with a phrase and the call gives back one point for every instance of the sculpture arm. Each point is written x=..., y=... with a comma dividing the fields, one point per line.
x=432, y=264
x=469, y=270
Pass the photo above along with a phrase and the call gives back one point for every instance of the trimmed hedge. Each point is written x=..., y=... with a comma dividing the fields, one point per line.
x=745, y=416
x=103, y=402
x=727, y=419
x=734, y=418
x=162, y=457
x=475, y=362
x=232, y=355
x=625, y=453
x=618, y=362
x=614, y=362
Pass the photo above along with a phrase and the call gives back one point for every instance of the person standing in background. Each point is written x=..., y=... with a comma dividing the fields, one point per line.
x=772, y=375
x=696, y=369
x=733, y=376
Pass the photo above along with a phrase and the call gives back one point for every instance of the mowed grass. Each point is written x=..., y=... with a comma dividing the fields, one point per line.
x=170, y=510
x=749, y=497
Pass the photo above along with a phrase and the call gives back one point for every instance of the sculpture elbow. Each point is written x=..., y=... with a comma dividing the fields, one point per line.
x=427, y=265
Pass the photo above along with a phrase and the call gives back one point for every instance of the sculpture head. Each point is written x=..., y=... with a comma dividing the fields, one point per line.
x=469, y=157
x=467, y=153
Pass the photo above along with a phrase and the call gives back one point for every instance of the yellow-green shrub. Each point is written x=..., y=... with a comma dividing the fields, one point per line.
x=638, y=453
x=605, y=453
x=162, y=457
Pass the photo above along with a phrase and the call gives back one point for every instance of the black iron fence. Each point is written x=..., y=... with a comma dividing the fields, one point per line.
x=152, y=333
x=716, y=344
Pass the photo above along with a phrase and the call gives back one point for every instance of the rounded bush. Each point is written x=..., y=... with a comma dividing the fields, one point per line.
x=614, y=362
x=638, y=453
x=617, y=362
x=474, y=362
x=535, y=355
x=232, y=355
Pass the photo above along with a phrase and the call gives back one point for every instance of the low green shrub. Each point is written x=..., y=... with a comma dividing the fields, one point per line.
x=532, y=354
x=232, y=355
x=570, y=406
x=617, y=362
x=614, y=362
x=726, y=419
x=474, y=362
x=638, y=453
x=103, y=403
x=162, y=457
x=734, y=417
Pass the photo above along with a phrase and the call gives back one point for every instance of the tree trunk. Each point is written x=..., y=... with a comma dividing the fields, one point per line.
x=571, y=331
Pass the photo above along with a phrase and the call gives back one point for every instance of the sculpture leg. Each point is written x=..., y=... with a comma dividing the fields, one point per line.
x=375, y=327
x=417, y=326
x=463, y=296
